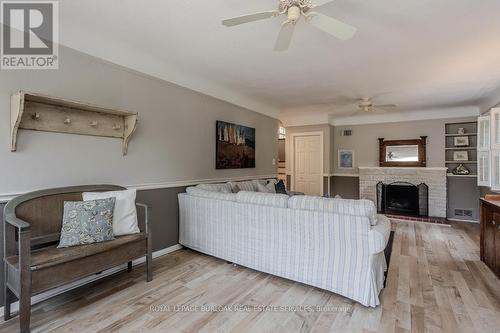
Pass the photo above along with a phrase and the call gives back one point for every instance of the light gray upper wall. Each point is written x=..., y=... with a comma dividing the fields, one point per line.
x=175, y=139
x=365, y=144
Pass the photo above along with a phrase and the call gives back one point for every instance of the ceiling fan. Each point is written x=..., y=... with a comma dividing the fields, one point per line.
x=366, y=105
x=294, y=10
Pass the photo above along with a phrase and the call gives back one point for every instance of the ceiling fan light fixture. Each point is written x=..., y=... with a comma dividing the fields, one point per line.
x=294, y=10
x=294, y=13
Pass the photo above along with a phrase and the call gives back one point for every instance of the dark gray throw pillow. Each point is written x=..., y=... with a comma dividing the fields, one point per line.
x=86, y=222
x=280, y=187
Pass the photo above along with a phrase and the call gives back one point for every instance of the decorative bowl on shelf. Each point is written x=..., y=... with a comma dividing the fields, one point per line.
x=461, y=170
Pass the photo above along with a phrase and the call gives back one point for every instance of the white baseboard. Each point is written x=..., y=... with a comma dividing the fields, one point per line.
x=73, y=285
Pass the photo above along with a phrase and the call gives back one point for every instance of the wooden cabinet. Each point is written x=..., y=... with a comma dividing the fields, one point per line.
x=490, y=232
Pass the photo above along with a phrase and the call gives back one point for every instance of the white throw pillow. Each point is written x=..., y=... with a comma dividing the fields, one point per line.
x=269, y=188
x=263, y=188
x=125, y=212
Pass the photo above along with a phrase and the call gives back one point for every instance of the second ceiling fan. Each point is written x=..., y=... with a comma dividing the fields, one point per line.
x=294, y=10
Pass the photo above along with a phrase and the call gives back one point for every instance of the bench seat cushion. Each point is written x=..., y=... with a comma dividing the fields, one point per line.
x=52, y=256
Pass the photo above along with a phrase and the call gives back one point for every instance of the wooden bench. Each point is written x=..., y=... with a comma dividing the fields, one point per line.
x=34, y=264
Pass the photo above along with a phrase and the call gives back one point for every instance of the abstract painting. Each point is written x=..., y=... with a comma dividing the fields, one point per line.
x=235, y=146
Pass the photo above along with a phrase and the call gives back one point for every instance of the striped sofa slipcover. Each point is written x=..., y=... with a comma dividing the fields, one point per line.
x=333, y=244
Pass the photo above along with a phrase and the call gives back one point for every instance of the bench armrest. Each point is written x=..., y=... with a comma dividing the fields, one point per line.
x=18, y=223
x=146, y=216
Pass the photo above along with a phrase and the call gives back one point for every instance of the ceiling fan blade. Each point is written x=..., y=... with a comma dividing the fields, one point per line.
x=385, y=106
x=249, y=18
x=344, y=100
x=332, y=26
x=379, y=111
x=358, y=113
x=284, y=37
x=319, y=3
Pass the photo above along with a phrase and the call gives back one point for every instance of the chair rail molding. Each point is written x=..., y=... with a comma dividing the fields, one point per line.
x=5, y=197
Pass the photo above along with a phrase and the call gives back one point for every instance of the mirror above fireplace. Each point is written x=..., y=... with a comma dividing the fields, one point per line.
x=403, y=153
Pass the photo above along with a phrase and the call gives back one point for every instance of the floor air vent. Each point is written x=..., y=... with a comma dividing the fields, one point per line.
x=467, y=213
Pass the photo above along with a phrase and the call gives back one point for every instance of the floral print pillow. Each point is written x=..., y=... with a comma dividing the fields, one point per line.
x=86, y=222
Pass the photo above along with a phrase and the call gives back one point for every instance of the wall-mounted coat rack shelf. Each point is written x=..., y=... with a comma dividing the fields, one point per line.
x=43, y=113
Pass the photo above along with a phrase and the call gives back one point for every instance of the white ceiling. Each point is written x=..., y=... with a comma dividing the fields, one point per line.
x=422, y=55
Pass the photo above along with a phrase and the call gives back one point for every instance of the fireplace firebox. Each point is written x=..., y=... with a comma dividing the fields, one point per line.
x=401, y=198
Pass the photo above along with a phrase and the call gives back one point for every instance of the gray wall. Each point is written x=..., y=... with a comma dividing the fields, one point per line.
x=175, y=140
x=281, y=150
x=346, y=187
x=364, y=140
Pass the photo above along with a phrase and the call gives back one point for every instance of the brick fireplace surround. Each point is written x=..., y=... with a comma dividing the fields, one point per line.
x=435, y=178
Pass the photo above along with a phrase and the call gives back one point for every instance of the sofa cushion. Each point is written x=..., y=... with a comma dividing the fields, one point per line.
x=264, y=199
x=249, y=186
x=197, y=192
x=222, y=187
x=269, y=188
x=339, y=206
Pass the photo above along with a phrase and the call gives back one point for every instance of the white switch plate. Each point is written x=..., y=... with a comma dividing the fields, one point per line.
x=274, y=161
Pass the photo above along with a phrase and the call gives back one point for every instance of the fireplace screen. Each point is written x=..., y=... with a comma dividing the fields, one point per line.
x=403, y=199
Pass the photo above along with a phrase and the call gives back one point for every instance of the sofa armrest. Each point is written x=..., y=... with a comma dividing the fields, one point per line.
x=18, y=223
x=379, y=235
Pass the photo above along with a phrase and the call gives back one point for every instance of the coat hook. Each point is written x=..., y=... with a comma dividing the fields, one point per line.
x=117, y=127
x=35, y=116
x=67, y=121
x=94, y=123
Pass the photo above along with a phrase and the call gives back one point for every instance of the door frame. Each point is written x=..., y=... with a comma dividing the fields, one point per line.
x=322, y=156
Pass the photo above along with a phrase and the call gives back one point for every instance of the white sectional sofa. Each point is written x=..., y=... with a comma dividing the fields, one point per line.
x=333, y=244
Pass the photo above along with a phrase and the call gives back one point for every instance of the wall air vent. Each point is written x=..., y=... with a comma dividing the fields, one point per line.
x=347, y=132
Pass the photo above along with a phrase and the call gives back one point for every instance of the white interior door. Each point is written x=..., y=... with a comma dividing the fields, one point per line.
x=307, y=164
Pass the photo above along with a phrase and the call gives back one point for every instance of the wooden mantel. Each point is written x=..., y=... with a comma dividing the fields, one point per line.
x=38, y=112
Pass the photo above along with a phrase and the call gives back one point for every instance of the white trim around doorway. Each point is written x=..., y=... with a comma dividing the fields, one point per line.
x=322, y=157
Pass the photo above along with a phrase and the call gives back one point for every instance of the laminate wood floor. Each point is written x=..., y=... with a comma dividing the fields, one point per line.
x=435, y=283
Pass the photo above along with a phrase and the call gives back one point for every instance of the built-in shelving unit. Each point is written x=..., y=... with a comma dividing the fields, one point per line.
x=462, y=190
x=452, y=133
x=38, y=112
